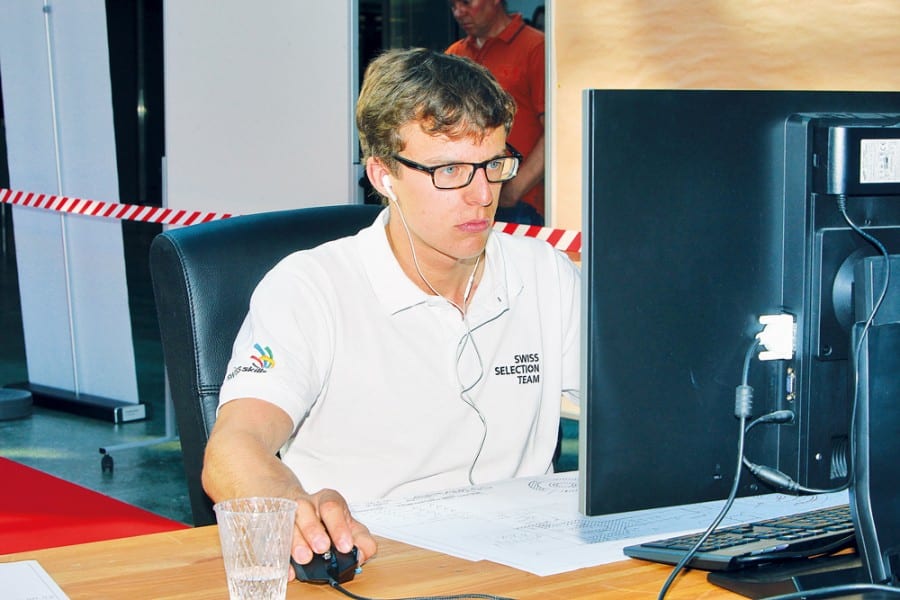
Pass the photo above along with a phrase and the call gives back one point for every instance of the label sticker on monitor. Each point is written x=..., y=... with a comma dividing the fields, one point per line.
x=879, y=161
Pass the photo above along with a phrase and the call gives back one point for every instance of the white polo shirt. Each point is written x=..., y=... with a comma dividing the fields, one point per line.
x=371, y=369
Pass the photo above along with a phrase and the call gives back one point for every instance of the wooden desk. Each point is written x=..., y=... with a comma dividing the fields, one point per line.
x=187, y=564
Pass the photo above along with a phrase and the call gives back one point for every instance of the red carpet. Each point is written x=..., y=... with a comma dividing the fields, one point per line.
x=38, y=510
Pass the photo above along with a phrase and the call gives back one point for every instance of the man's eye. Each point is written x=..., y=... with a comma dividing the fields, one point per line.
x=495, y=165
x=450, y=170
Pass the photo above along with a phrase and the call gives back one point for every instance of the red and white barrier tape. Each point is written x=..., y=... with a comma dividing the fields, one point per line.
x=567, y=241
x=561, y=239
x=109, y=210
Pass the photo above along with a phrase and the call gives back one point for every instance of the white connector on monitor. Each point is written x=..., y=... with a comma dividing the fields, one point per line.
x=778, y=337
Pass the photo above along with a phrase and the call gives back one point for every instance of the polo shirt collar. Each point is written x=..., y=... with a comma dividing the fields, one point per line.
x=500, y=281
x=506, y=36
x=512, y=28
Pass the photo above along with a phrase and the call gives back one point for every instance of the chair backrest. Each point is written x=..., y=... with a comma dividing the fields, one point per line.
x=203, y=276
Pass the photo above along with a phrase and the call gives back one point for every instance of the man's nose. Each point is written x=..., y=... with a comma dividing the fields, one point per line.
x=480, y=191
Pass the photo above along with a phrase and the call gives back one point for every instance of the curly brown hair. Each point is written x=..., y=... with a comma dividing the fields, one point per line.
x=447, y=95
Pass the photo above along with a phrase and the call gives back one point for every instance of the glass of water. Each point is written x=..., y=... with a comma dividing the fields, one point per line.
x=256, y=546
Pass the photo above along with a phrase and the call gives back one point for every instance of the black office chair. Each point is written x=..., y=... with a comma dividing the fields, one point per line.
x=203, y=276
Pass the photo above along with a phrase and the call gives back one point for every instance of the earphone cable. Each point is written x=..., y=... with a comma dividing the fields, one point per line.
x=467, y=338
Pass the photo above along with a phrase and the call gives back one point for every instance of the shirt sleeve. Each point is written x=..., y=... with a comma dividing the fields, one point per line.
x=283, y=348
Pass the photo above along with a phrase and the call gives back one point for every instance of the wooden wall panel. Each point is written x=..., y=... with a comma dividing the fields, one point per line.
x=706, y=44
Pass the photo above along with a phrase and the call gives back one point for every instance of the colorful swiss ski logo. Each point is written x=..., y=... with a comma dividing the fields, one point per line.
x=265, y=359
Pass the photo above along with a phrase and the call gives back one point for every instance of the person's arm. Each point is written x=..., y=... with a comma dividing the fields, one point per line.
x=531, y=171
x=240, y=460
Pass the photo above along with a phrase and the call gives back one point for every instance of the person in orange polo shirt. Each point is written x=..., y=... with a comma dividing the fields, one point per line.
x=514, y=53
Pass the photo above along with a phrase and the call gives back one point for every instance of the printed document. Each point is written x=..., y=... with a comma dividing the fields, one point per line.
x=533, y=524
x=27, y=580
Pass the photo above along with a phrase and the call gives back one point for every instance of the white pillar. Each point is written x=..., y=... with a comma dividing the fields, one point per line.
x=59, y=126
x=259, y=104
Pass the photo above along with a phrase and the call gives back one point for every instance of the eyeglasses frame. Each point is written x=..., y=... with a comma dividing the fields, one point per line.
x=513, y=153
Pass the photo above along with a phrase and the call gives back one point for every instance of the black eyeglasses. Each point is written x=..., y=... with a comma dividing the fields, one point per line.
x=458, y=175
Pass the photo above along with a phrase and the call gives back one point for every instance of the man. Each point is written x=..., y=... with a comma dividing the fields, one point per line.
x=514, y=53
x=425, y=352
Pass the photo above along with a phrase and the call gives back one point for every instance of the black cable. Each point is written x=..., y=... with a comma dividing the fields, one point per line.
x=838, y=590
x=777, y=479
x=841, y=590
x=855, y=350
x=782, y=482
x=769, y=557
x=350, y=594
x=854, y=358
x=778, y=417
x=773, y=477
x=743, y=406
x=842, y=206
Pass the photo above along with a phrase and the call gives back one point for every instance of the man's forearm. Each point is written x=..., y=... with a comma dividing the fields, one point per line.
x=239, y=466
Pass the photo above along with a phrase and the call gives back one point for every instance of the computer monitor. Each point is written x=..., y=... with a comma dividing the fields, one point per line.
x=704, y=210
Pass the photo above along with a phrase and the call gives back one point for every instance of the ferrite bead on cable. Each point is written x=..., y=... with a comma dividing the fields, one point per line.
x=743, y=401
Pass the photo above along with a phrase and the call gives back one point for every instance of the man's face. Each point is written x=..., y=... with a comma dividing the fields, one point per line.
x=447, y=224
x=476, y=17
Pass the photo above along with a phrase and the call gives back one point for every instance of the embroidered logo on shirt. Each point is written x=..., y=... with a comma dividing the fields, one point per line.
x=526, y=368
x=265, y=359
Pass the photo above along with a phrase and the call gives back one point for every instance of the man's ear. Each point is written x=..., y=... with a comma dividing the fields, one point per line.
x=376, y=172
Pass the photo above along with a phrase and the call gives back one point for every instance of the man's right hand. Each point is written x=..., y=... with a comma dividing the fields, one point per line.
x=323, y=519
x=241, y=460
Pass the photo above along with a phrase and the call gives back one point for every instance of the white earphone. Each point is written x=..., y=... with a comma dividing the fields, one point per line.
x=386, y=181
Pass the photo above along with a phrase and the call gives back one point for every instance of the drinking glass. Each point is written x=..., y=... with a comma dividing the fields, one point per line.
x=256, y=545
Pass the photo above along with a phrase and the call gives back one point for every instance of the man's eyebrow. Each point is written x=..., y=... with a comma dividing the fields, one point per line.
x=456, y=161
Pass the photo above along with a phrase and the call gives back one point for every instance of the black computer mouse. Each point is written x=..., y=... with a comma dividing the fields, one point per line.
x=332, y=565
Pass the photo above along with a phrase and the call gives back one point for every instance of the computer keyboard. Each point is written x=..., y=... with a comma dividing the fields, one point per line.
x=801, y=535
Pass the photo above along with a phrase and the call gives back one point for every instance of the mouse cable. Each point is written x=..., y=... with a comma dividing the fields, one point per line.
x=350, y=594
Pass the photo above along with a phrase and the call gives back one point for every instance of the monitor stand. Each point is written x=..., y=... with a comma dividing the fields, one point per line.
x=796, y=576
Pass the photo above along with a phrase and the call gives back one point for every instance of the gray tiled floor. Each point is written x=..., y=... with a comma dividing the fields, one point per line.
x=67, y=446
